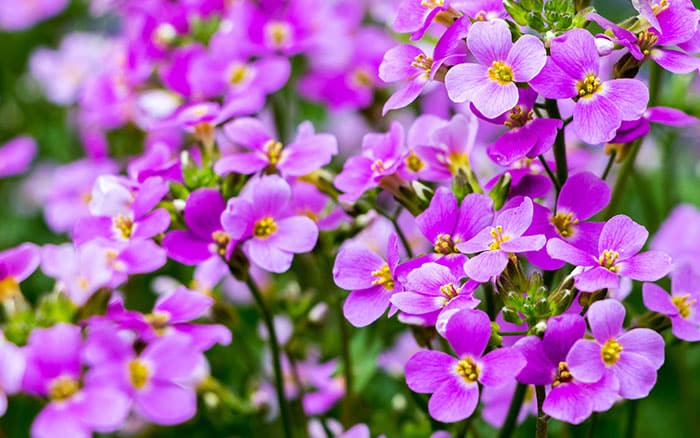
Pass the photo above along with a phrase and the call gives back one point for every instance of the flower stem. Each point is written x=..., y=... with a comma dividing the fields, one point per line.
x=559, y=144
x=513, y=411
x=395, y=222
x=542, y=418
x=347, y=363
x=550, y=174
x=274, y=346
x=608, y=167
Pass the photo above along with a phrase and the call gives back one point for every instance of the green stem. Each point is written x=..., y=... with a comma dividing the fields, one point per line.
x=621, y=182
x=513, y=411
x=521, y=333
x=591, y=428
x=609, y=166
x=542, y=418
x=395, y=222
x=276, y=360
x=632, y=419
x=347, y=363
x=559, y=144
x=550, y=174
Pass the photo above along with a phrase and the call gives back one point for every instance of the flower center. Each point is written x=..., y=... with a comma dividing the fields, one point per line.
x=683, y=304
x=63, y=388
x=277, y=33
x=518, y=117
x=444, y=244
x=563, y=375
x=273, y=150
x=264, y=228
x=449, y=290
x=158, y=320
x=414, y=162
x=611, y=352
x=646, y=41
x=468, y=370
x=138, y=373
x=661, y=6
x=498, y=237
x=361, y=77
x=423, y=62
x=432, y=4
x=608, y=259
x=383, y=277
x=221, y=239
x=457, y=161
x=124, y=225
x=378, y=166
x=500, y=72
x=564, y=223
x=238, y=74
x=588, y=86
x=8, y=288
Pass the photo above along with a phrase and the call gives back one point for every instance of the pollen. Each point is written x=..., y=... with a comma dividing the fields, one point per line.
x=414, y=162
x=683, y=304
x=125, y=225
x=444, y=244
x=362, y=78
x=238, y=74
x=518, y=117
x=611, y=352
x=63, y=388
x=468, y=370
x=457, y=161
x=221, y=240
x=500, y=72
x=378, y=166
x=423, y=62
x=563, y=375
x=383, y=277
x=138, y=373
x=278, y=33
x=661, y=6
x=264, y=228
x=432, y=4
x=273, y=150
x=8, y=288
x=608, y=260
x=564, y=223
x=498, y=238
x=159, y=321
x=449, y=290
x=646, y=41
x=589, y=85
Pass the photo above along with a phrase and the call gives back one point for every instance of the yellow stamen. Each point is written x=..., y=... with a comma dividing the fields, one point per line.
x=661, y=6
x=498, y=238
x=683, y=304
x=138, y=373
x=383, y=277
x=500, y=72
x=445, y=245
x=9, y=288
x=564, y=223
x=125, y=225
x=449, y=290
x=563, y=375
x=414, y=162
x=432, y=4
x=221, y=239
x=608, y=260
x=468, y=370
x=611, y=352
x=588, y=86
x=63, y=388
x=264, y=228
x=273, y=150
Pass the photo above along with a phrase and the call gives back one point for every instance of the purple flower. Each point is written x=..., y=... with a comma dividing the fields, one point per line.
x=491, y=84
x=634, y=129
x=497, y=400
x=454, y=381
x=582, y=196
x=620, y=240
x=80, y=271
x=572, y=71
x=405, y=63
x=306, y=154
x=260, y=219
x=569, y=399
x=678, y=235
x=16, y=264
x=12, y=365
x=434, y=289
x=76, y=408
x=22, y=15
x=414, y=16
x=674, y=21
x=371, y=280
x=503, y=237
x=204, y=236
x=632, y=358
x=682, y=307
x=16, y=155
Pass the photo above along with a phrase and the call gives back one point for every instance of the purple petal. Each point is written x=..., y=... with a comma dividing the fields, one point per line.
x=16, y=155
x=406, y=94
x=515, y=220
x=569, y=402
x=203, y=211
x=500, y=366
x=596, y=118
x=526, y=58
x=304, y=156
x=184, y=305
x=524, y=244
x=475, y=213
x=561, y=250
x=647, y=266
x=247, y=132
x=440, y=216
x=597, y=278
x=561, y=333
x=427, y=370
x=416, y=303
x=245, y=163
x=185, y=247
x=19, y=262
x=629, y=95
x=605, y=319
x=670, y=116
x=453, y=401
x=363, y=307
x=296, y=234
x=623, y=235
x=636, y=375
x=493, y=99
x=396, y=65
x=152, y=224
x=658, y=300
x=675, y=61
x=546, y=130
x=486, y=265
x=104, y=409
x=271, y=194
x=354, y=266
x=553, y=83
x=56, y=421
x=646, y=343
x=583, y=194
x=489, y=41
x=538, y=370
x=684, y=329
x=468, y=332
x=585, y=361
x=512, y=146
x=268, y=256
x=166, y=403
x=575, y=52
x=464, y=81
x=429, y=278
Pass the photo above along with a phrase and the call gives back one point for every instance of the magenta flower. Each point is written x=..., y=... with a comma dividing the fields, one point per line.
x=22, y=15
x=634, y=129
x=572, y=71
x=80, y=271
x=307, y=153
x=16, y=264
x=682, y=306
x=632, y=358
x=204, y=236
x=569, y=399
x=12, y=365
x=259, y=218
x=405, y=63
x=675, y=22
x=434, y=289
x=76, y=408
x=16, y=155
x=616, y=256
x=371, y=280
x=414, y=16
x=495, y=242
x=490, y=85
x=454, y=382
x=582, y=196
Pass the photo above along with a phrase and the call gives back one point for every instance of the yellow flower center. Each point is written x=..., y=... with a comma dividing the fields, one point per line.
x=124, y=225
x=8, y=288
x=361, y=77
x=277, y=33
x=661, y=6
x=588, y=86
x=424, y=63
x=414, y=162
x=498, y=238
x=500, y=72
x=63, y=388
x=683, y=304
x=444, y=244
x=468, y=370
x=449, y=290
x=159, y=321
x=608, y=260
x=432, y=4
x=457, y=161
x=563, y=375
x=564, y=223
x=383, y=277
x=273, y=150
x=138, y=373
x=264, y=228
x=221, y=239
x=238, y=74
x=646, y=41
x=378, y=166
x=518, y=117
x=611, y=352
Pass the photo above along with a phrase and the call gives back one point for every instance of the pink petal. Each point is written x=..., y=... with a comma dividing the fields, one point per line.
x=453, y=401
x=606, y=318
x=527, y=57
x=427, y=370
x=489, y=41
